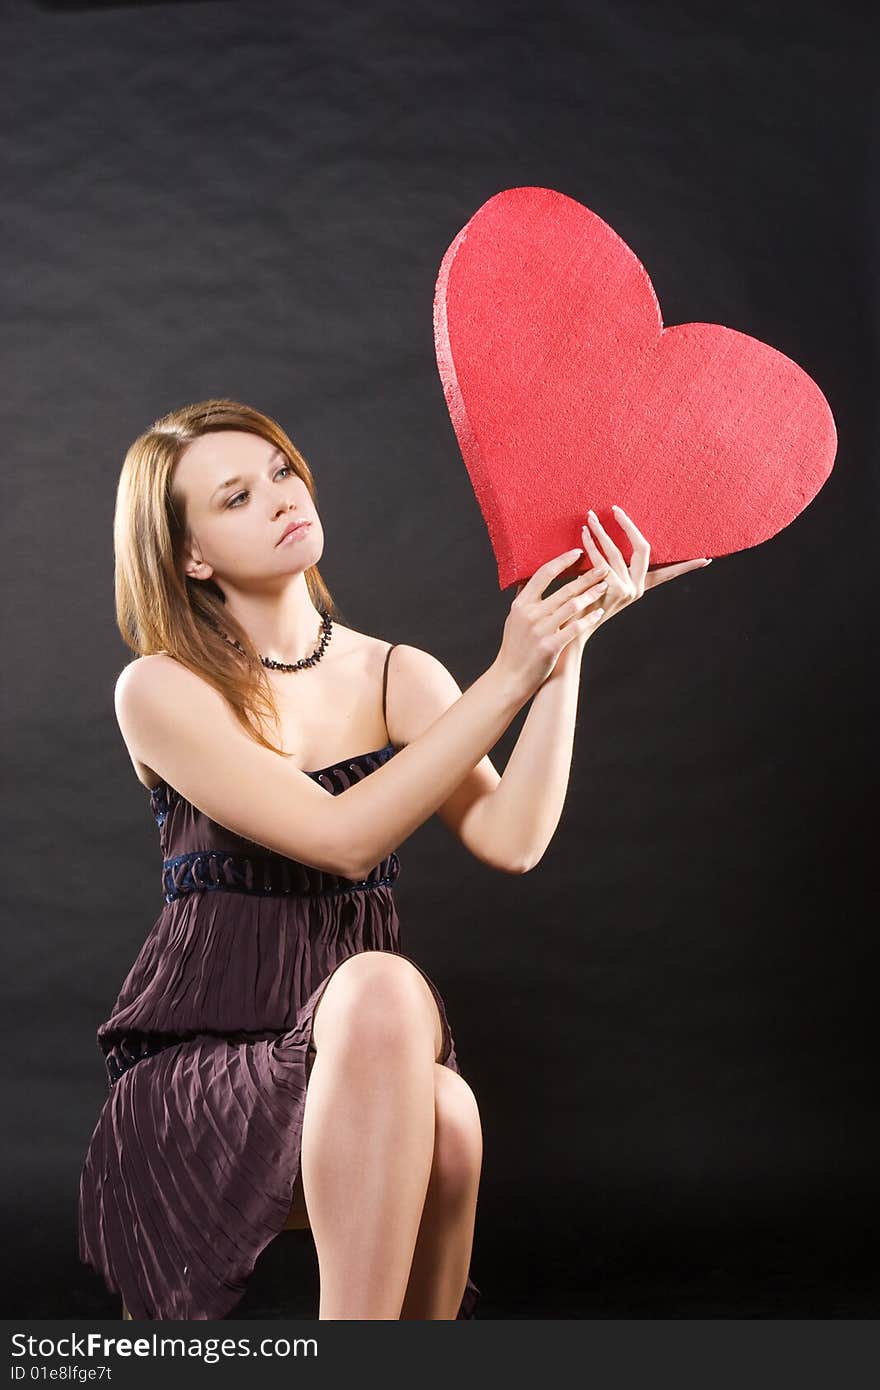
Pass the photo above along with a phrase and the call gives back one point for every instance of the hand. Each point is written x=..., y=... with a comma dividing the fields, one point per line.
x=537, y=628
x=625, y=583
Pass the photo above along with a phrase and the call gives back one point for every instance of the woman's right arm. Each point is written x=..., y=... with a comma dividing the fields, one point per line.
x=182, y=728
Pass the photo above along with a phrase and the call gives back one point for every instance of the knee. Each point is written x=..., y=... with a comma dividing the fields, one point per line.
x=375, y=1000
x=458, y=1140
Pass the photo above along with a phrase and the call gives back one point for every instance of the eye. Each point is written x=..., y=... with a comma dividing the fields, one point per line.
x=285, y=468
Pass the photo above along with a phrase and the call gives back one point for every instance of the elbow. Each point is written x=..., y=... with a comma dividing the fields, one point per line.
x=504, y=863
x=519, y=866
x=352, y=854
x=344, y=865
x=356, y=872
x=525, y=866
x=358, y=868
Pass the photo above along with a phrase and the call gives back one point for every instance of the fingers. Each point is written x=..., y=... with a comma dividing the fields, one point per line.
x=573, y=597
x=613, y=555
x=582, y=581
x=563, y=614
x=641, y=550
x=591, y=548
x=660, y=576
x=633, y=578
x=533, y=588
x=578, y=627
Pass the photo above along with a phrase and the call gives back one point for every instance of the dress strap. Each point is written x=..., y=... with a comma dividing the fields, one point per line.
x=385, y=685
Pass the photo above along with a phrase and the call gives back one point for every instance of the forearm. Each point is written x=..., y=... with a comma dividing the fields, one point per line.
x=516, y=822
x=378, y=813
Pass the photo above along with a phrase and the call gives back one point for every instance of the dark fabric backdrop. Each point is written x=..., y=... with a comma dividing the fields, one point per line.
x=670, y=1023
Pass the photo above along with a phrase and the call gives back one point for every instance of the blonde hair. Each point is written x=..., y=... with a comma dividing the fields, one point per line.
x=158, y=607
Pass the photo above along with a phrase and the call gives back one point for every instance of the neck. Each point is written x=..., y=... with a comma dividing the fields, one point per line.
x=283, y=626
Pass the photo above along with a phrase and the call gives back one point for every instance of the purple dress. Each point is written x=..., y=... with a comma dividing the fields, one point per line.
x=190, y=1169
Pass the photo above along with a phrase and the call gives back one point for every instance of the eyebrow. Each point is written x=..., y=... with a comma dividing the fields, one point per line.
x=230, y=482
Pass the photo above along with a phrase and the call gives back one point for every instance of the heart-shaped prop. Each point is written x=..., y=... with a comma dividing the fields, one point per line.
x=566, y=392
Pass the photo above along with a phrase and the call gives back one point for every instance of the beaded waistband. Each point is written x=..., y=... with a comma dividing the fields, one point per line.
x=134, y=1047
x=212, y=870
x=126, y=1051
x=129, y=1050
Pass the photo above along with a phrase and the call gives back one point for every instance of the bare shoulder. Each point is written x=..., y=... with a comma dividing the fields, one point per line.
x=349, y=642
x=417, y=664
x=145, y=689
x=132, y=679
x=362, y=653
x=175, y=723
x=420, y=689
x=136, y=669
x=146, y=675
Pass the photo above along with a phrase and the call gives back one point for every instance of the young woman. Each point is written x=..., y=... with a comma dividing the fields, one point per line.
x=273, y=1059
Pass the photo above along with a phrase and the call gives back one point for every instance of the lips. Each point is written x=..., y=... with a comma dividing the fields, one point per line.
x=295, y=529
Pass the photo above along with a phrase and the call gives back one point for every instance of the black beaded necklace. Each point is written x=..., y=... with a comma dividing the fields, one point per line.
x=326, y=633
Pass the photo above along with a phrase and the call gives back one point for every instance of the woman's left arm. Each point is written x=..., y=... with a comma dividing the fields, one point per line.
x=515, y=823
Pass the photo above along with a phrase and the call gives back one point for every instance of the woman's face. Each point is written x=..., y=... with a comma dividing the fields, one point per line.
x=241, y=495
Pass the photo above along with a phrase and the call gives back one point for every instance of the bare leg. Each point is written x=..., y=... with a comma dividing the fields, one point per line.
x=445, y=1241
x=368, y=1131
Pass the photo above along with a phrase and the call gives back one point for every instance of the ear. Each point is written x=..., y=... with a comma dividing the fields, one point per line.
x=193, y=566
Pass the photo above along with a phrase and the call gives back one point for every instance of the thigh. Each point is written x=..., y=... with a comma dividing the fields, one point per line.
x=458, y=1142
x=379, y=972
x=458, y=1135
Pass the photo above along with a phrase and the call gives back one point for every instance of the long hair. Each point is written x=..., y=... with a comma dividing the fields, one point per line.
x=158, y=607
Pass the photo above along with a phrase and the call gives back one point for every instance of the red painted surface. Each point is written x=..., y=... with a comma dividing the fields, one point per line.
x=566, y=392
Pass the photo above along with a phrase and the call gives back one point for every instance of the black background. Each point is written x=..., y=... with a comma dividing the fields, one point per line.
x=669, y=1024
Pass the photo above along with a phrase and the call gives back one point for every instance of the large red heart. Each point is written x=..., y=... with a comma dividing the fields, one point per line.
x=566, y=392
